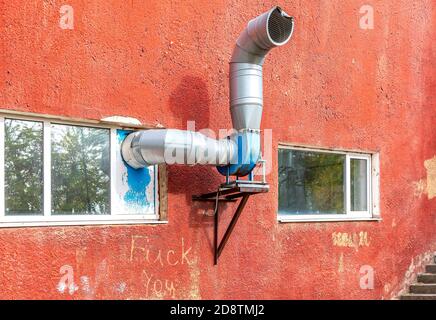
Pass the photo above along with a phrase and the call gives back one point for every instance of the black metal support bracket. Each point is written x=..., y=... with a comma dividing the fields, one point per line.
x=242, y=189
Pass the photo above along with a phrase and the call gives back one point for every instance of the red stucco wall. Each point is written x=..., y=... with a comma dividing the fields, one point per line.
x=166, y=62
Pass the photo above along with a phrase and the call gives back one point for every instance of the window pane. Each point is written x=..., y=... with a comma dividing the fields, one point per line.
x=359, y=184
x=135, y=189
x=80, y=170
x=23, y=167
x=311, y=182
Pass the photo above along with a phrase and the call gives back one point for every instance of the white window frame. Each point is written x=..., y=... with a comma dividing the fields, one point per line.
x=46, y=219
x=372, y=192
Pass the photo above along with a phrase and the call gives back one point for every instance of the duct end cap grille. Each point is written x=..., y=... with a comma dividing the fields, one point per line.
x=280, y=26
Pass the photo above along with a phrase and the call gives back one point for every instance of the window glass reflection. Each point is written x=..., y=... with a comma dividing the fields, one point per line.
x=359, y=184
x=23, y=167
x=80, y=170
x=311, y=182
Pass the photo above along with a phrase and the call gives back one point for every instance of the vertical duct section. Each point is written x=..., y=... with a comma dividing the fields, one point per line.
x=238, y=154
x=269, y=30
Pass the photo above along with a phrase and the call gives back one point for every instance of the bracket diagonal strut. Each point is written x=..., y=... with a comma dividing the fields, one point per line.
x=229, y=193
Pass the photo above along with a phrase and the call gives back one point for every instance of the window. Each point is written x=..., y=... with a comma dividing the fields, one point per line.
x=60, y=173
x=23, y=167
x=325, y=185
x=80, y=172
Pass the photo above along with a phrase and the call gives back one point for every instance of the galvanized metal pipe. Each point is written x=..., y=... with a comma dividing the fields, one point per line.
x=238, y=154
x=172, y=146
x=271, y=29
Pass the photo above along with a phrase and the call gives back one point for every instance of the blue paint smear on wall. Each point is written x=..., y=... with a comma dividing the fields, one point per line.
x=137, y=179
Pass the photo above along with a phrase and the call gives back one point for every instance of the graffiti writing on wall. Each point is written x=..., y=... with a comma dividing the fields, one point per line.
x=352, y=240
x=148, y=263
x=157, y=287
x=155, y=259
x=142, y=251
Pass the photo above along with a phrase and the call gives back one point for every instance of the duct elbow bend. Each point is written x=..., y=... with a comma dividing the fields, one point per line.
x=271, y=29
x=247, y=154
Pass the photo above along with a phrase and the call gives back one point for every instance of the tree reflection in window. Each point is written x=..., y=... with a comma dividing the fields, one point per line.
x=80, y=170
x=311, y=182
x=23, y=167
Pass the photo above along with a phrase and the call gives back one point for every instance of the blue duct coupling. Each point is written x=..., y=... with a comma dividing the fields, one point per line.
x=248, y=144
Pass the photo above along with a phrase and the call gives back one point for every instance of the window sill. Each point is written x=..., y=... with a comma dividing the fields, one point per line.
x=84, y=222
x=335, y=219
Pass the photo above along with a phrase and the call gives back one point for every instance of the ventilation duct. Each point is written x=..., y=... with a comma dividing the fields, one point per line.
x=237, y=154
